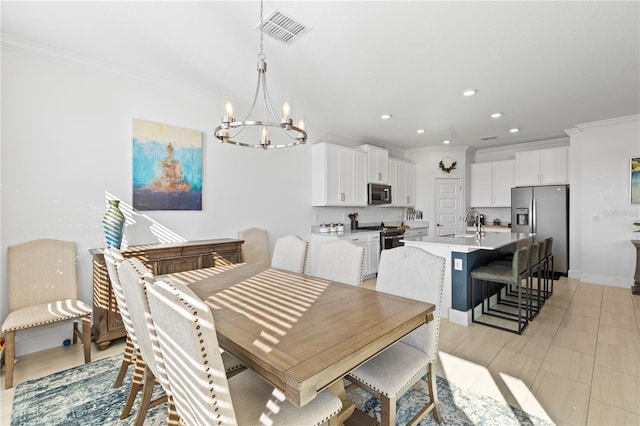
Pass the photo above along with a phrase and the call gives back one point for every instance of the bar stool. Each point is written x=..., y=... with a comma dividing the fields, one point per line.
x=550, y=274
x=504, y=277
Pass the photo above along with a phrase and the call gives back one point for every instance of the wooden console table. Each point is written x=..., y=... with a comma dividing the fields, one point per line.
x=161, y=259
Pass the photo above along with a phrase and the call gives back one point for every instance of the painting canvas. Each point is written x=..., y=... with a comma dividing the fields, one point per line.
x=635, y=180
x=167, y=167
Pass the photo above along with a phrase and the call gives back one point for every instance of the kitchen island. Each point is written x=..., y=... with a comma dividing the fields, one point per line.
x=462, y=253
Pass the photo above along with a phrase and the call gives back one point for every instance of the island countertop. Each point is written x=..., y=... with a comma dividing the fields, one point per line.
x=490, y=241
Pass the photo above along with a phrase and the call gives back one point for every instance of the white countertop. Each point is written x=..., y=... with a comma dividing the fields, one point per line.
x=490, y=241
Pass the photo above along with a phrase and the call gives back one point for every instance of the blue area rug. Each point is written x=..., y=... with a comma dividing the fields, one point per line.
x=84, y=395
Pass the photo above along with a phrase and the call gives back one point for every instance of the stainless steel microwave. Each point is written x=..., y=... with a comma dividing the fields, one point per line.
x=379, y=194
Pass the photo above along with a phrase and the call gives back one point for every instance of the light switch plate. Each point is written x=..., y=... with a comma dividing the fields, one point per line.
x=457, y=264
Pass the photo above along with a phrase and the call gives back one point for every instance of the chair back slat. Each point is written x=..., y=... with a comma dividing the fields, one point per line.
x=341, y=261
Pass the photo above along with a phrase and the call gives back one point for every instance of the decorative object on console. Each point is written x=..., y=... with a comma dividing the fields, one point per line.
x=635, y=180
x=167, y=167
x=113, y=224
x=295, y=134
x=447, y=169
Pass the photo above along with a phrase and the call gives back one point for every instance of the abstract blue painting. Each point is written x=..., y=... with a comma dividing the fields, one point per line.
x=167, y=167
x=635, y=181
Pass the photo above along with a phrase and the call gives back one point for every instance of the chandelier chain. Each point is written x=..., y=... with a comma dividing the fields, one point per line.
x=261, y=55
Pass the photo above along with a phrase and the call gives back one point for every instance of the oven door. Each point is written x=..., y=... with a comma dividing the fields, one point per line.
x=391, y=241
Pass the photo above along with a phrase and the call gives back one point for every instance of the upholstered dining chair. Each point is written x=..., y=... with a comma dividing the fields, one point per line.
x=201, y=392
x=255, y=248
x=413, y=273
x=134, y=277
x=112, y=258
x=43, y=289
x=341, y=261
x=290, y=253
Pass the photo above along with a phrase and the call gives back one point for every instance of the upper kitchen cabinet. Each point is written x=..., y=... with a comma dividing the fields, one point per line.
x=377, y=164
x=491, y=184
x=402, y=178
x=541, y=167
x=338, y=176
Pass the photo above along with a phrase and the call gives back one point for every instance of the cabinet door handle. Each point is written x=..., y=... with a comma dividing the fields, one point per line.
x=379, y=176
x=342, y=196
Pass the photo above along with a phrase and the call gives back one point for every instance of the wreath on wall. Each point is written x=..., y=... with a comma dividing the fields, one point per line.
x=445, y=168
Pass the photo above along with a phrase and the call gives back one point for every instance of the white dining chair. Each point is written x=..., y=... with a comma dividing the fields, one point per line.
x=43, y=290
x=413, y=273
x=200, y=390
x=341, y=261
x=112, y=258
x=255, y=248
x=290, y=254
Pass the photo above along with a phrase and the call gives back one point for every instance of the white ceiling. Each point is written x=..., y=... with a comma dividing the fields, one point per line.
x=546, y=65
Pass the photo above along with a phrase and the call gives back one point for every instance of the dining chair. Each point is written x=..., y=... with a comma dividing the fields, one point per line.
x=290, y=253
x=43, y=289
x=200, y=390
x=112, y=258
x=255, y=248
x=134, y=277
x=341, y=261
x=132, y=280
x=416, y=274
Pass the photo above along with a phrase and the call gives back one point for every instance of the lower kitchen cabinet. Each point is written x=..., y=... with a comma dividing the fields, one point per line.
x=369, y=240
x=161, y=259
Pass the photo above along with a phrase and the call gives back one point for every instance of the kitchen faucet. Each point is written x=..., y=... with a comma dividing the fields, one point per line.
x=478, y=224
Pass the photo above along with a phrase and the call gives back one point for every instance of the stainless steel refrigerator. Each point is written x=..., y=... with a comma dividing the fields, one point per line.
x=545, y=211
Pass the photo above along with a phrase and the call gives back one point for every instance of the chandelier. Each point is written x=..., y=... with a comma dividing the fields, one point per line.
x=259, y=130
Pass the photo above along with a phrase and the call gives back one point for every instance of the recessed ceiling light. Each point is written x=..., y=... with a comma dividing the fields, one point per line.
x=446, y=142
x=420, y=131
x=514, y=130
x=469, y=92
x=385, y=116
x=496, y=115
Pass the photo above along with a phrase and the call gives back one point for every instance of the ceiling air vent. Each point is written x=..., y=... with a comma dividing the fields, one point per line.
x=282, y=27
x=488, y=138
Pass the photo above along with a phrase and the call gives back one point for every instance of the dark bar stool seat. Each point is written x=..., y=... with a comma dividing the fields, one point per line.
x=502, y=276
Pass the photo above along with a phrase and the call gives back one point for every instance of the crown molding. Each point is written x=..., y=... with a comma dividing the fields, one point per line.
x=600, y=123
x=49, y=53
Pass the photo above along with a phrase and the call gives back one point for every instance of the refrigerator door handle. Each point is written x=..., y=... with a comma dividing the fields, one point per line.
x=534, y=224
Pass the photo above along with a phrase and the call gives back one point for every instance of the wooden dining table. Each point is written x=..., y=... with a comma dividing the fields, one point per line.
x=302, y=334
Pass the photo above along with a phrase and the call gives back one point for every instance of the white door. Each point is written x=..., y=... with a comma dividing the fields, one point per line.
x=448, y=206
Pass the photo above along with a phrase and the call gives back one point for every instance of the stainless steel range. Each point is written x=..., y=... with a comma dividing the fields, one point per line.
x=390, y=235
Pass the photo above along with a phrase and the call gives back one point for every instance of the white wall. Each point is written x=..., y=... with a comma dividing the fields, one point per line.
x=66, y=145
x=602, y=216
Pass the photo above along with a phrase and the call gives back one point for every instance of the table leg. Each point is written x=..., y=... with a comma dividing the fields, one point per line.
x=337, y=388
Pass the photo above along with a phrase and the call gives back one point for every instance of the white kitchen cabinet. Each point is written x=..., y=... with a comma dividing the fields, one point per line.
x=370, y=241
x=377, y=163
x=491, y=184
x=402, y=178
x=542, y=167
x=337, y=176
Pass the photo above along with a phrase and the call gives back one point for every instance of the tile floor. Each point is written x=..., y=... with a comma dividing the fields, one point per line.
x=577, y=363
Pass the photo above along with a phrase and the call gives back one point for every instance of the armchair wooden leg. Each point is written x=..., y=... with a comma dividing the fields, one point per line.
x=9, y=358
x=86, y=338
x=127, y=360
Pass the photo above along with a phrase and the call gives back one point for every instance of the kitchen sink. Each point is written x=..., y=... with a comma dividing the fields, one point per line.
x=460, y=235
